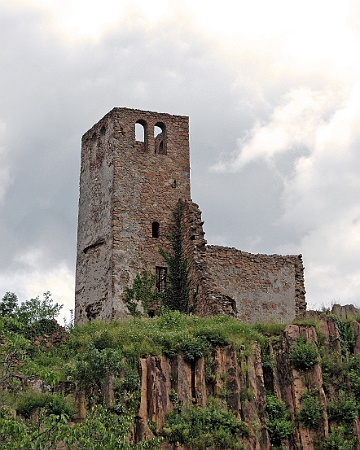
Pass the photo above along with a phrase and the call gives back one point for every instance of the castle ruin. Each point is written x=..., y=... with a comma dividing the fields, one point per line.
x=129, y=189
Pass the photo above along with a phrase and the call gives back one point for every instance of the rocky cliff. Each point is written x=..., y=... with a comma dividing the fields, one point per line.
x=214, y=384
x=299, y=391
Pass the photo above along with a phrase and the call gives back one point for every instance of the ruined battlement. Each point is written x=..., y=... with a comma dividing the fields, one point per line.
x=135, y=166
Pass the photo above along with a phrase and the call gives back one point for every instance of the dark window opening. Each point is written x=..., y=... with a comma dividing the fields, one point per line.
x=102, y=131
x=161, y=273
x=93, y=137
x=160, y=138
x=155, y=229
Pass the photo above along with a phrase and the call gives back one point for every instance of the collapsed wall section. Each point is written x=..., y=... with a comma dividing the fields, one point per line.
x=250, y=287
x=265, y=288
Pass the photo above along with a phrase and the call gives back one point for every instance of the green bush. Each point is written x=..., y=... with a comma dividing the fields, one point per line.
x=143, y=293
x=339, y=439
x=278, y=421
x=103, y=341
x=342, y=408
x=310, y=413
x=53, y=404
x=303, y=355
x=200, y=428
x=40, y=327
x=92, y=366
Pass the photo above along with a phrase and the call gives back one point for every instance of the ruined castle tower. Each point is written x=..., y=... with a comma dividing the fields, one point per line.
x=129, y=187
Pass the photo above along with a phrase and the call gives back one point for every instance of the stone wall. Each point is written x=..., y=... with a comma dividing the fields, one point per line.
x=125, y=187
x=228, y=281
x=264, y=287
x=130, y=188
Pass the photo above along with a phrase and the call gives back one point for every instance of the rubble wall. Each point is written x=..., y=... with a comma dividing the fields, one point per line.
x=126, y=186
x=253, y=288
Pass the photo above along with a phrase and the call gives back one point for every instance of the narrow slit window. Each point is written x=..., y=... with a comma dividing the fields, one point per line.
x=161, y=273
x=155, y=229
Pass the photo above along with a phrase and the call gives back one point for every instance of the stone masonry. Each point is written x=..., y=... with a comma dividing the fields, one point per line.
x=129, y=190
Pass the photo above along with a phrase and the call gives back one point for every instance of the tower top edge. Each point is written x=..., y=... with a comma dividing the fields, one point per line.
x=133, y=113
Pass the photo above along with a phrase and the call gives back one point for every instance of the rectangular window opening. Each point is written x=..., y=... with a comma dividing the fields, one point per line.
x=161, y=273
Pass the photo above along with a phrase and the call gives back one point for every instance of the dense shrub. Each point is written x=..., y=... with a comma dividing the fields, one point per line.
x=52, y=403
x=310, y=413
x=339, y=439
x=342, y=408
x=278, y=421
x=303, y=355
x=199, y=428
x=143, y=293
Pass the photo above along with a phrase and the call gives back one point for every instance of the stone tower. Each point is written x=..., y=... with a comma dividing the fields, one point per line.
x=128, y=191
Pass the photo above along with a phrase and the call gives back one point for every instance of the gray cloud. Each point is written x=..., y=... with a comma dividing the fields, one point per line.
x=52, y=91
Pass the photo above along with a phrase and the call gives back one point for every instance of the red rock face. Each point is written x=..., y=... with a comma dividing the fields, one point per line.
x=237, y=376
x=240, y=379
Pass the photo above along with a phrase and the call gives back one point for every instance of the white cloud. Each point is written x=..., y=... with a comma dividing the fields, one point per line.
x=278, y=83
x=33, y=281
x=294, y=123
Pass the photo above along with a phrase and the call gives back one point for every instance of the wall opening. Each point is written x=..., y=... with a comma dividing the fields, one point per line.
x=141, y=135
x=155, y=229
x=160, y=138
x=139, y=132
x=161, y=273
x=102, y=131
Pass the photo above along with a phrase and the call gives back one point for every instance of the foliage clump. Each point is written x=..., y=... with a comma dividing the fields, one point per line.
x=176, y=294
x=278, y=421
x=342, y=408
x=311, y=412
x=200, y=428
x=303, y=355
x=143, y=293
x=30, y=311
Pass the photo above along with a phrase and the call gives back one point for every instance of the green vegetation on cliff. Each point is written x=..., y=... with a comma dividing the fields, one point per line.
x=83, y=387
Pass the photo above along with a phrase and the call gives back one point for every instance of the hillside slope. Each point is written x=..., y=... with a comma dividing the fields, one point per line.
x=179, y=381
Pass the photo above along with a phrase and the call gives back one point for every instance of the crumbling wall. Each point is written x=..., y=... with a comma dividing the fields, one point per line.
x=94, y=240
x=125, y=187
x=264, y=287
x=228, y=281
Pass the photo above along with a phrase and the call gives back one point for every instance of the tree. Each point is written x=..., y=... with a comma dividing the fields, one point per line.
x=8, y=305
x=176, y=295
x=30, y=311
x=143, y=293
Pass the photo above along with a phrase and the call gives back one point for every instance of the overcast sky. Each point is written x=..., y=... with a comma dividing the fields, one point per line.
x=273, y=94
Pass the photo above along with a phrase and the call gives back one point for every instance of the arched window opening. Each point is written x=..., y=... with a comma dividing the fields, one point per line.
x=139, y=132
x=160, y=138
x=141, y=135
x=93, y=137
x=155, y=229
x=102, y=131
x=157, y=131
